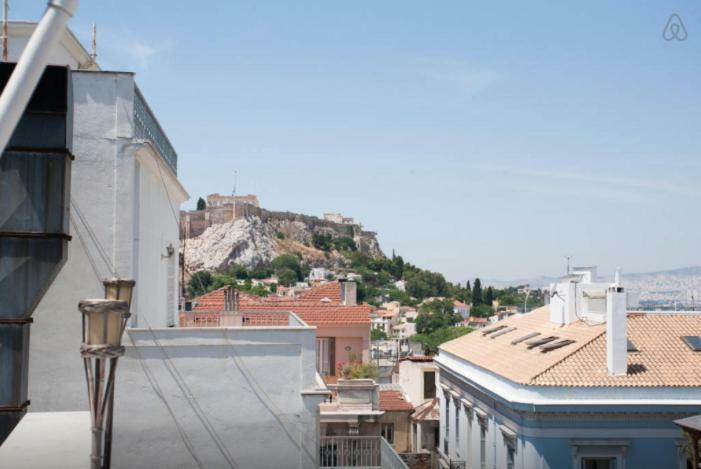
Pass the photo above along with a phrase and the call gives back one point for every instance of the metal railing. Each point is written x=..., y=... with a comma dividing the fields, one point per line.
x=146, y=126
x=238, y=319
x=358, y=451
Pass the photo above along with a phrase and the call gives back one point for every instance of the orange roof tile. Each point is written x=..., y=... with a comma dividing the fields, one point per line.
x=391, y=400
x=309, y=309
x=330, y=290
x=663, y=358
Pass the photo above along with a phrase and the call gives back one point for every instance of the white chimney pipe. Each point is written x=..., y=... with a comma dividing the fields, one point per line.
x=31, y=65
x=616, y=331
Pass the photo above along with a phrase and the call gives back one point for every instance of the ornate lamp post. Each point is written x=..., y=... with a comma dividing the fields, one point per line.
x=103, y=325
x=115, y=289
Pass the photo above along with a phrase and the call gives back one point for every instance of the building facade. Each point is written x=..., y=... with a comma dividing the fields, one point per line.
x=124, y=202
x=577, y=384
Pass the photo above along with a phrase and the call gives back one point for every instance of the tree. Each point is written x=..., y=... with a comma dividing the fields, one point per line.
x=286, y=262
x=477, y=293
x=436, y=315
x=286, y=276
x=322, y=241
x=199, y=283
x=201, y=204
x=377, y=334
x=481, y=311
x=431, y=341
x=489, y=297
x=344, y=243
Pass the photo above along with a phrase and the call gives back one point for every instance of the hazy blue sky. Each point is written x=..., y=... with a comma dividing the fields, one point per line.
x=481, y=138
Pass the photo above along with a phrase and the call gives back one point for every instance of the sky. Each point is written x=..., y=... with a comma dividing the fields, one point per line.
x=485, y=139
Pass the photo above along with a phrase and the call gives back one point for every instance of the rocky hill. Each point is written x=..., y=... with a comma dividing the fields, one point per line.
x=262, y=235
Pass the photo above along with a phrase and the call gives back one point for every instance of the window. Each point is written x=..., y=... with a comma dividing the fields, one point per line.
x=429, y=384
x=510, y=456
x=483, y=447
x=598, y=463
x=325, y=356
x=387, y=432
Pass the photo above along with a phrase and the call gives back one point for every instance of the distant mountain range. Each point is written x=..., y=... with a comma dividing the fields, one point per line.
x=663, y=287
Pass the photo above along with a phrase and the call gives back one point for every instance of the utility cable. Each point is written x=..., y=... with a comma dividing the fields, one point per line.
x=159, y=392
x=192, y=401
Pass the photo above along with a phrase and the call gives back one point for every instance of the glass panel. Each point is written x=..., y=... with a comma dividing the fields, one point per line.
x=429, y=384
x=598, y=463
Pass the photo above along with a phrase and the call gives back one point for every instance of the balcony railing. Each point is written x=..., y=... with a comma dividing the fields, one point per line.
x=358, y=451
x=146, y=126
x=239, y=319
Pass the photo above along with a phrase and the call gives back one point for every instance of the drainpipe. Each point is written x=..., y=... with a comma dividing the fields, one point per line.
x=31, y=65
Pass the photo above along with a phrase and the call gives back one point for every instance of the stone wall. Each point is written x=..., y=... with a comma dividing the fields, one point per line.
x=195, y=222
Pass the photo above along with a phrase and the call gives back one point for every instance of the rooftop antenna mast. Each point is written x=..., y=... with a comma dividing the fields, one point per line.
x=568, y=263
x=233, y=191
x=5, y=51
x=93, y=54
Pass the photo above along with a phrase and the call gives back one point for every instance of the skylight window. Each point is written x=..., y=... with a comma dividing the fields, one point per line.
x=525, y=337
x=502, y=332
x=693, y=341
x=555, y=345
x=632, y=347
x=498, y=328
x=535, y=343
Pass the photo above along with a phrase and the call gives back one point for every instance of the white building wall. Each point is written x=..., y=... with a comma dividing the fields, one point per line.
x=105, y=233
x=253, y=389
x=411, y=378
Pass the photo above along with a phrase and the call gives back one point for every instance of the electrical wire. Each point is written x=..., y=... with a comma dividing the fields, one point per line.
x=159, y=392
x=95, y=241
x=267, y=402
x=192, y=401
x=91, y=259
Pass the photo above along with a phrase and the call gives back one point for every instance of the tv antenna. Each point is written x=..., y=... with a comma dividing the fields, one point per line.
x=5, y=48
x=568, y=263
x=93, y=54
x=233, y=191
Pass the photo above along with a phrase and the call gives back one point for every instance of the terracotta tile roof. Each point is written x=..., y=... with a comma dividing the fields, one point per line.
x=392, y=400
x=429, y=410
x=663, y=358
x=459, y=304
x=315, y=315
x=330, y=290
x=313, y=312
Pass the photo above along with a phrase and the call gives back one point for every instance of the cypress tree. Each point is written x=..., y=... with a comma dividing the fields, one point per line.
x=477, y=293
x=489, y=296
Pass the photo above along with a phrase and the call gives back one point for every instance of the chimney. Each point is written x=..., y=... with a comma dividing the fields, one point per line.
x=616, y=331
x=231, y=299
x=349, y=296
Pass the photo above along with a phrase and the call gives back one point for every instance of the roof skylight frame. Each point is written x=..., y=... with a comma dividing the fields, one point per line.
x=693, y=342
x=502, y=332
x=555, y=345
x=525, y=337
x=494, y=329
x=631, y=347
x=538, y=342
